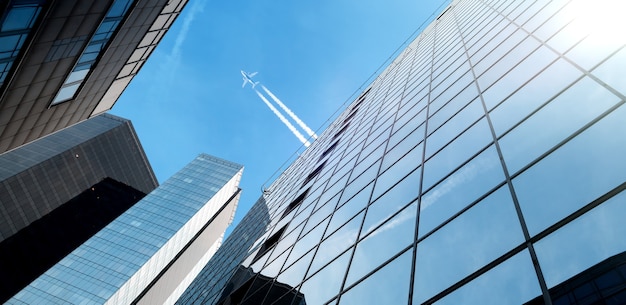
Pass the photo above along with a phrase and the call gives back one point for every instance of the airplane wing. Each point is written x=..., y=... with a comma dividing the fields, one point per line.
x=244, y=83
x=252, y=74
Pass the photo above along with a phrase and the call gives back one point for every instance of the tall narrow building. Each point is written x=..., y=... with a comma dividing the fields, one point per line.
x=485, y=165
x=58, y=191
x=63, y=61
x=150, y=253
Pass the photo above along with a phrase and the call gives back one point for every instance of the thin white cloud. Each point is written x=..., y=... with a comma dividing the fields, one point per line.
x=196, y=8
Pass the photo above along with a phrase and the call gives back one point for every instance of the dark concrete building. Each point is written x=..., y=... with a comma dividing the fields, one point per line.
x=63, y=61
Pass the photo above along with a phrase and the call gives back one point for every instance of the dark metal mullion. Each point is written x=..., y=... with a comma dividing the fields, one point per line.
x=603, y=198
x=522, y=221
x=419, y=198
x=364, y=211
x=457, y=214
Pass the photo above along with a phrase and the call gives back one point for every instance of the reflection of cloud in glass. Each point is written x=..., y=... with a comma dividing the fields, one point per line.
x=468, y=172
x=325, y=284
x=406, y=214
x=337, y=242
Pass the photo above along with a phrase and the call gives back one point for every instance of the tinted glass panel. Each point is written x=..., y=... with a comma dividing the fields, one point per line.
x=588, y=240
x=389, y=285
x=512, y=282
x=554, y=187
x=466, y=244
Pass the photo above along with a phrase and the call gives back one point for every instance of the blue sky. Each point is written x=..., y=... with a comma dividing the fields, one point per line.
x=313, y=55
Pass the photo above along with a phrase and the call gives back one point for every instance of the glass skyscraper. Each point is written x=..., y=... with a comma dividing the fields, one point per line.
x=150, y=253
x=485, y=165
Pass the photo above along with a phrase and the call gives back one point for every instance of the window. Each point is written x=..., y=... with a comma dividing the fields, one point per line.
x=341, y=131
x=15, y=27
x=269, y=244
x=313, y=174
x=329, y=150
x=95, y=47
x=295, y=203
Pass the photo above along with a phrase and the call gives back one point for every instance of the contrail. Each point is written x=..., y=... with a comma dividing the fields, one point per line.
x=284, y=120
x=197, y=7
x=290, y=113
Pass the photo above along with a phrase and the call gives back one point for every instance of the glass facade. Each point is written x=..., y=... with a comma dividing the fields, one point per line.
x=123, y=259
x=485, y=165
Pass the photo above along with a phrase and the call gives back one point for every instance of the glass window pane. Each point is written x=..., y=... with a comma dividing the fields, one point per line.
x=326, y=284
x=506, y=63
x=383, y=243
x=440, y=137
x=8, y=44
x=586, y=241
x=404, y=166
x=457, y=152
x=612, y=72
x=397, y=197
x=294, y=274
x=389, y=285
x=512, y=282
x=336, y=243
x=350, y=208
x=77, y=76
x=556, y=121
x=580, y=171
x=532, y=95
x=118, y=8
x=306, y=243
x=65, y=93
x=605, y=23
x=460, y=189
x=19, y=18
x=467, y=243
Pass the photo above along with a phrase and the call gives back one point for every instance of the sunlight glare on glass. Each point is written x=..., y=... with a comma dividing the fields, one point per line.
x=602, y=20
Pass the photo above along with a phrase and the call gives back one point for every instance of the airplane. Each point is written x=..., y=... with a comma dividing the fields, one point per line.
x=247, y=78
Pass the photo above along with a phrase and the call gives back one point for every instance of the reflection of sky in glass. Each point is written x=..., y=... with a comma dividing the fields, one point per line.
x=460, y=189
x=326, y=283
x=584, y=242
x=612, y=71
x=386, y=241
x=521, y=103
x=600, y=22
x=389, y=285
x=337, y=242
x=571, y=110
x=459, y=150
x=512, y=282
x=467, y=243
x=577, y=173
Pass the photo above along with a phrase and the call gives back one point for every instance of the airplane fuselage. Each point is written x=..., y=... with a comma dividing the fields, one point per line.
x=247, y=78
